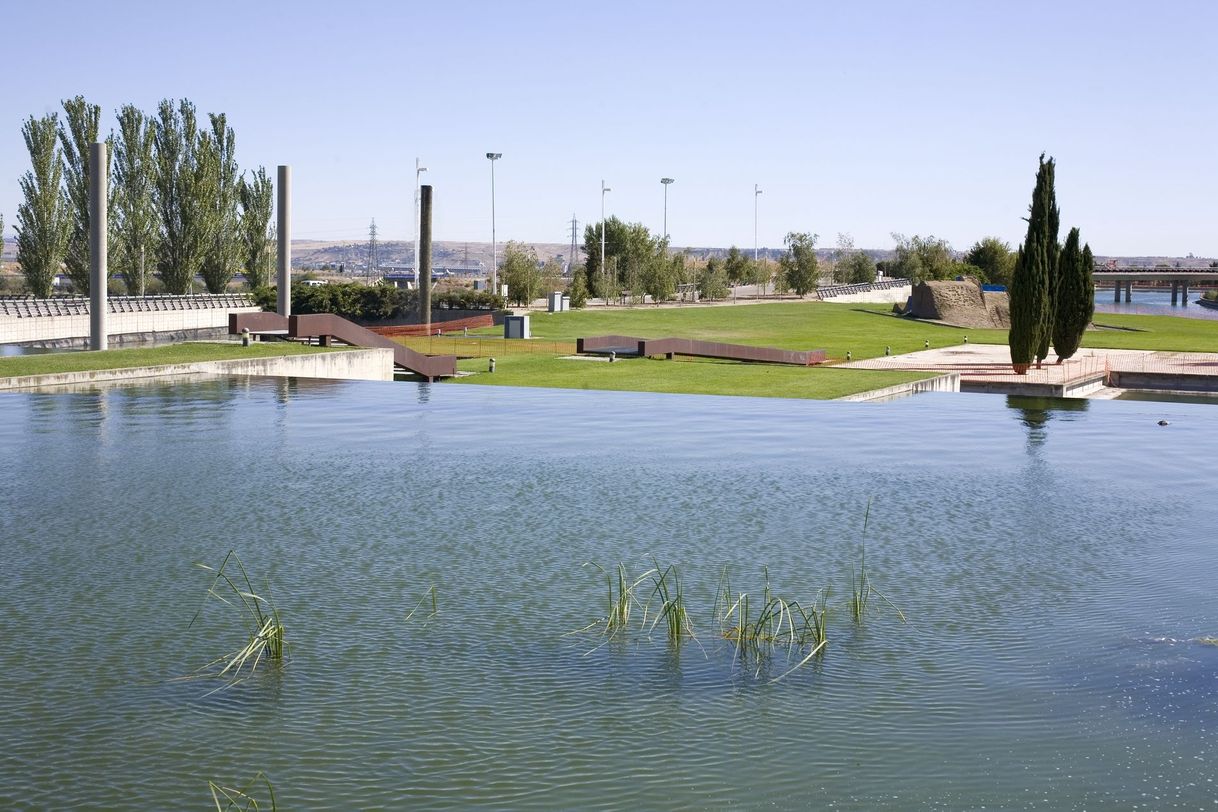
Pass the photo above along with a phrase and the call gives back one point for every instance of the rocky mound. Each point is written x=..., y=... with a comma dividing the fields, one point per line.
x=961, y=304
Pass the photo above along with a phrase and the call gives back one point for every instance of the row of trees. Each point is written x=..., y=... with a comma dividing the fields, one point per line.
x=1052, y=291
x=178, y=201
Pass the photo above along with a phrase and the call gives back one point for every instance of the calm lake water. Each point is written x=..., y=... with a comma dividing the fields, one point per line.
x=1154, y=303
x=1055, y=561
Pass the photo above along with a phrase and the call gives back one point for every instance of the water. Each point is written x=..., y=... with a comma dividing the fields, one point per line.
x=1055, y=561
x=1154, y=303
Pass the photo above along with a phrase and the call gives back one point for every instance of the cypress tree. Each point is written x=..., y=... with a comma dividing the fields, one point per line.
x=44, y=217
x=1075, y=297
x=1031, y=284
x=76, y=134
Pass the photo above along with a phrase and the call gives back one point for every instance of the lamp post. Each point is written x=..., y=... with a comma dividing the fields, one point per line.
x=418, y=170
x=666, y=182
x=604, y=271
x=756, y=194
x=492, y=157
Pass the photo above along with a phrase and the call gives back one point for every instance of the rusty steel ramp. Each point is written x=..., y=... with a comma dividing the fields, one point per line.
x=670, y=347
x=326, y=328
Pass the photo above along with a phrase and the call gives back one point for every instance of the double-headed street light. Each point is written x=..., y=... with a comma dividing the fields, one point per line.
x=666, y=182
x=492, y=157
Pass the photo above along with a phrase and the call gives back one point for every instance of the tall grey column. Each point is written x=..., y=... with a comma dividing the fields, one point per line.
x=1184, y=293
x=99, y=305
x=1128, y=292
x=1175, y=291
x=283, y=230
x=424, y=274
x=1116, y=292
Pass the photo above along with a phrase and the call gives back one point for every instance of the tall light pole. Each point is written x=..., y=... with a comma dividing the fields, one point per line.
x=492, y=157
x=756, y=194
x=604, y=270
x=666, y=182
x=418, y=170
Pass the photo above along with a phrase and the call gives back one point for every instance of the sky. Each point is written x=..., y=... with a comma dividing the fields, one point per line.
x=864, y=117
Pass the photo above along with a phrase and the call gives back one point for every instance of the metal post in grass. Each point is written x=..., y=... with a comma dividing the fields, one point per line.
x=425, y=256
x=98, y=302
x=283, y=231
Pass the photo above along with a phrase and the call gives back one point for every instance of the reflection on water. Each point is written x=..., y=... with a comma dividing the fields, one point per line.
x=1022, y=678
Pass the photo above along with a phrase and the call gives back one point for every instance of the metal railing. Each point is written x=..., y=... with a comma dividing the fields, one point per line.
x=829, y=291
x=28, y=307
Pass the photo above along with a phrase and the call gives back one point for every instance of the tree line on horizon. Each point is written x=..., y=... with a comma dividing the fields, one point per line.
x=178, y=204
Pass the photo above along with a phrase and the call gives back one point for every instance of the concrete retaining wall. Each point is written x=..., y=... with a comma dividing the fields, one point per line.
x=1170, y=381
x=948, y=382
x=15, y=330
x=885, y=296
x=358, y=365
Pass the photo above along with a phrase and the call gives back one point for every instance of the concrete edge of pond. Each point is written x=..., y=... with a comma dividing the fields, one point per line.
x=354, y=364
x=947, y=382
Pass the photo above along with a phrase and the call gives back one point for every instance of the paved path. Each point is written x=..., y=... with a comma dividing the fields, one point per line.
x=991, y=363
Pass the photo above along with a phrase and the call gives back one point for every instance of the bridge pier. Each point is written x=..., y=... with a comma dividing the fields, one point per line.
x=1174, y=291
x=1184, y=294
x=1116, y=292
x=1128, y=292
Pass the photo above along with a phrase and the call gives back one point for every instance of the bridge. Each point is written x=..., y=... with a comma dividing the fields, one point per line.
x=1178, y=277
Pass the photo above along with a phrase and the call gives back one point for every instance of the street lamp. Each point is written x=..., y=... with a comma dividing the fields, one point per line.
x=756, y=194
x=604, y=270
x=492, y=157
x=666, y=182
x=418, y=170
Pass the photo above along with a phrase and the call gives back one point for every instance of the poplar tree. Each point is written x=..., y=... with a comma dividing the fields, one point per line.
x=1075, y=296
x=134, y=214
x=256, y=197
x=185, y=194
x=76, y=134
x=44, y=220
x=1030, y=292
x=220, y=261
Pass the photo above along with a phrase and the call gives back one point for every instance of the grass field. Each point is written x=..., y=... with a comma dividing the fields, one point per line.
x=50, y=363
x=683, y=375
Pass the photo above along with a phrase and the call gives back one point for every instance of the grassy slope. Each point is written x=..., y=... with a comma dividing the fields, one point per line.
x=690, y=376
x=50, y=363
x=1166, y=333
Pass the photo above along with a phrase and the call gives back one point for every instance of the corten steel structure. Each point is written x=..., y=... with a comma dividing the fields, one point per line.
x=669, y=347
x=284, y=234
x=98, y=275
x=328, y=328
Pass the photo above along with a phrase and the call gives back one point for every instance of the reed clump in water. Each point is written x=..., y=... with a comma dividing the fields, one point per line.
x=861, y=589
x=243, y=799
x=259, y=616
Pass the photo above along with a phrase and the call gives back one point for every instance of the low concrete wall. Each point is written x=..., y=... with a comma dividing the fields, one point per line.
x=358, y=365
x=1074, y=389
x=886, y=296
x=1170, y=381
x=44, y=329
x=948, y=382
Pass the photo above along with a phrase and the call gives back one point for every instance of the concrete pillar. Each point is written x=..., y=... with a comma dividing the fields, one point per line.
x=424, y=263
x=1116, y=292
x=99, y=305
x=1128, y=292
x=1184, y=293
x=283, y=231
x=1174, y=291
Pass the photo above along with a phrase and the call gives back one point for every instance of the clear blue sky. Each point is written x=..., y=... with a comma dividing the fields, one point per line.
x=863, y=117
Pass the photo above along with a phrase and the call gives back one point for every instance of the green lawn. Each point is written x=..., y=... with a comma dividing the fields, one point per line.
x=1133, y=332
x=50, y=363
x=863, y=330
x=689, y=376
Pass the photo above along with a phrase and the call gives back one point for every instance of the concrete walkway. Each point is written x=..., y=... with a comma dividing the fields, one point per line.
x=987, y=368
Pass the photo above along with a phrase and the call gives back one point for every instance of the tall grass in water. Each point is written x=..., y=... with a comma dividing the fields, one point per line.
x=434, y=606
x=861, y=588
x=260, y=617
x=777, y=622
x=621, y=598
x=241, y=799
x=672, y=612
